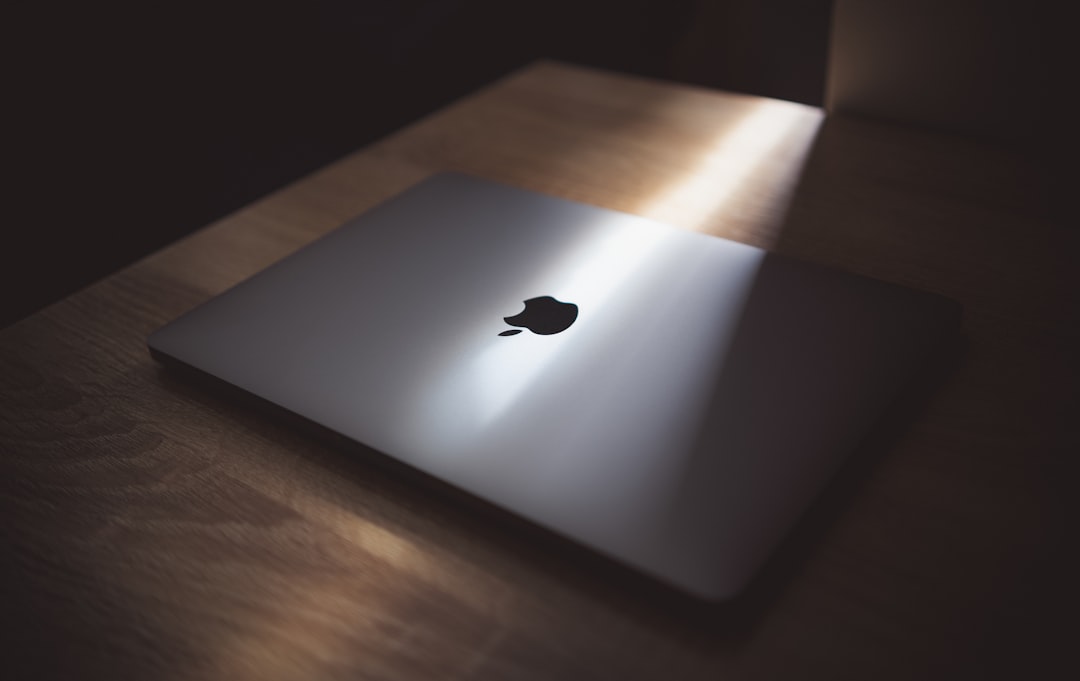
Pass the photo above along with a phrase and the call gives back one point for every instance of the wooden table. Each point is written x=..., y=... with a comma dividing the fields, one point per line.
x=154, y=530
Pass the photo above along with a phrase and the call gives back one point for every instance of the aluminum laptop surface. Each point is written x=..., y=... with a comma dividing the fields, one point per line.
x=700, y=396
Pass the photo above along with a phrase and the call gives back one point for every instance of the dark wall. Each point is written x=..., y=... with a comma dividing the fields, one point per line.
x=138, y=124
x=995, y=69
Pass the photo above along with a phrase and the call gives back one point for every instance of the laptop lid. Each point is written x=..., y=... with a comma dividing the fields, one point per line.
x=669, y=399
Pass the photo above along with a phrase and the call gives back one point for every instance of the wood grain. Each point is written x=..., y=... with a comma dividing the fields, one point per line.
x=152, y=529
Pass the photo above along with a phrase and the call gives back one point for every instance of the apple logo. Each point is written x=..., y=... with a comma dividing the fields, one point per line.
x=544, y=316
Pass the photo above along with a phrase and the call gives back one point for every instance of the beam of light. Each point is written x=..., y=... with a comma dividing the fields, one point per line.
x=741, y=185
x=745, y=175
x=590, y=274
x=472, y=395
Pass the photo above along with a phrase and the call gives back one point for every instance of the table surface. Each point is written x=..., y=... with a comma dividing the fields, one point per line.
x=154, y=529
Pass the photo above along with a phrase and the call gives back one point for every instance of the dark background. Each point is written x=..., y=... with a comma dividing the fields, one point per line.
x=130, y=126
x=138, y=124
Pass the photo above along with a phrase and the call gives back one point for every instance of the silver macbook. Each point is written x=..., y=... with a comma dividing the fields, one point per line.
x=669, y=399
